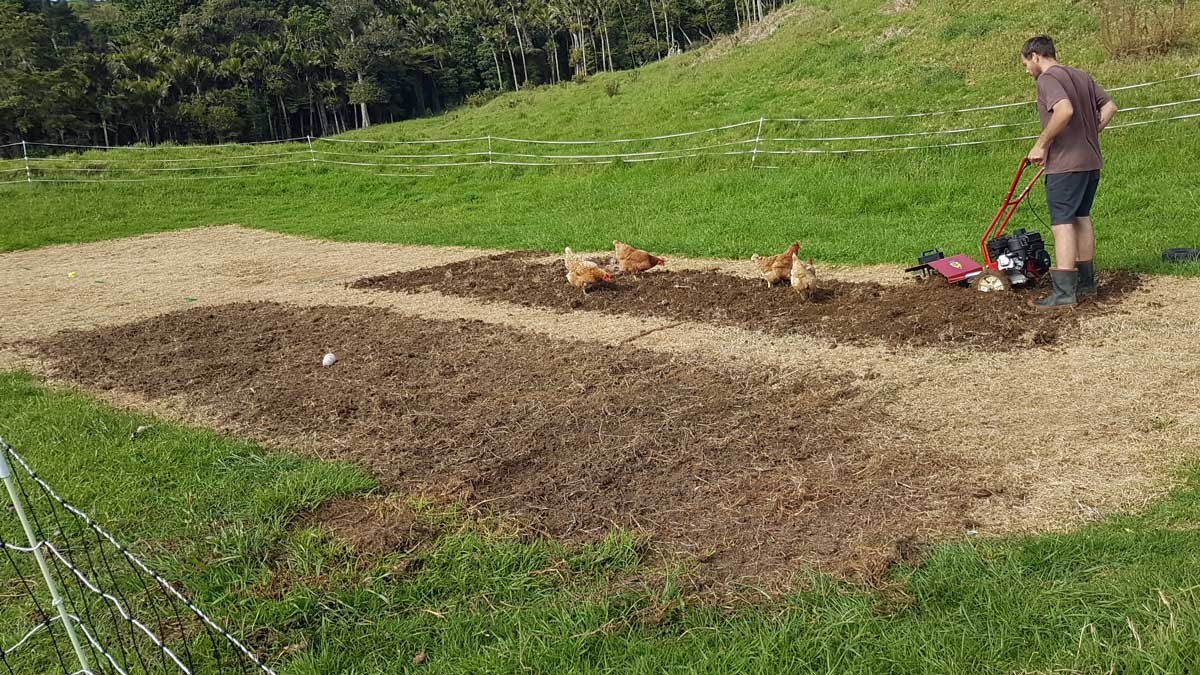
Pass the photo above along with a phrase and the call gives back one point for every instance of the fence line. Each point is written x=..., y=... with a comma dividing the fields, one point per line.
x=130, y=180
x=999, y=106
x=1127, y=87
x=494, y=153
x=1126, y=125
x=906, y=148
x=910, y=134
x=758, y=121
x=443, y=140
x=87, y=583
x=965, y=143
x=36, y=629
x=129, y=556
x=97, y=646
x=644, y=139
x=965, y=130
x=183, y=168
x=445, y=155
x=168, y=147
x=354, y=153
x=675, y=153
x=45, y=517
x=1160, y=105
x=431, y=165
x=186, y=159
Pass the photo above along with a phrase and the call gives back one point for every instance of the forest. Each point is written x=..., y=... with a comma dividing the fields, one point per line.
x=122, y=72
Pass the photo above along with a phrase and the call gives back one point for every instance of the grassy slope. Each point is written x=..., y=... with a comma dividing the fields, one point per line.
x=214, y=514
x=878, y=208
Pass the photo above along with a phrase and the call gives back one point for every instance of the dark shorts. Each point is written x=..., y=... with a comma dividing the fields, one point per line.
x=1070, y=195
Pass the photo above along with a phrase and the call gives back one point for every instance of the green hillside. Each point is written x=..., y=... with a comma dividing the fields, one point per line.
x=825, y=59
x=837, y=59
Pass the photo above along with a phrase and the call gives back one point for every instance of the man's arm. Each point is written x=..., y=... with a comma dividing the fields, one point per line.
x=1107, y=112
x=1063, y=110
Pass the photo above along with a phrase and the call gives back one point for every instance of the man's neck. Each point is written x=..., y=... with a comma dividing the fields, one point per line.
x=1048, y=64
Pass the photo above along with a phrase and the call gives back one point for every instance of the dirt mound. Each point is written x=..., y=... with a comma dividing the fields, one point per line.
x=921, y=314
x=756, y=474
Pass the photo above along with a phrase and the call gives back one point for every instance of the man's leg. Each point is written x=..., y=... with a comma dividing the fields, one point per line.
x=1064, y=194
x=1085, y=239
x=1085, y=251
x=1065, y=246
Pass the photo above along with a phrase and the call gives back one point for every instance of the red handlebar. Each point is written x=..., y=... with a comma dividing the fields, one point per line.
x=1007, y=209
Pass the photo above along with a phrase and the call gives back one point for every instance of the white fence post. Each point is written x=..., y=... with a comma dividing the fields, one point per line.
x=757, y=140
x=490, y=160
x=25, y=155
x=36, y=546
x=311, y=154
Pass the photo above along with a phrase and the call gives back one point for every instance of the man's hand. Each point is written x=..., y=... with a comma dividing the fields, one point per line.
x=1038, y=154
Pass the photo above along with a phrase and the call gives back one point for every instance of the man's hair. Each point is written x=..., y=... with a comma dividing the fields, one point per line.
x=1042, y=45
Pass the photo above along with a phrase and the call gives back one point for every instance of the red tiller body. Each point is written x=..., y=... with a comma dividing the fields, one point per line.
x=1006, y=211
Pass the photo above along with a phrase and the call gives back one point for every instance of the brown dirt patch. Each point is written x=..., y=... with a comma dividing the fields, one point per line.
x=920, y=314
x=372, y=525
x=757, y=473
x=1101, y=420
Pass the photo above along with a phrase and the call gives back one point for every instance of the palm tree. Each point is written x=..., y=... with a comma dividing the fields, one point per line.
x=191, y=68
x=139, y=87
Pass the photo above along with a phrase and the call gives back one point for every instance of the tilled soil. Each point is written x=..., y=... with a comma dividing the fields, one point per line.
x=756, y=474
x=918, y=314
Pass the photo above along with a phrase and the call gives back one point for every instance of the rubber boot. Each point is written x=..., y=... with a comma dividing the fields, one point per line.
x=1087, y=279
x=1063, y=294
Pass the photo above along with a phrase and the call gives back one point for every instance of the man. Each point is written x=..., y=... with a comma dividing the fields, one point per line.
x=1073, y=110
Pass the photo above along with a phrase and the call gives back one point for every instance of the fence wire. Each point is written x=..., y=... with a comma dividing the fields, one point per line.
x=123, y=617
x=776, y=138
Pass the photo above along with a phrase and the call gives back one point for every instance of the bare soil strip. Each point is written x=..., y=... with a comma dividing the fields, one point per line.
x=1098, y=420
x=842, y=311
x=755, y=473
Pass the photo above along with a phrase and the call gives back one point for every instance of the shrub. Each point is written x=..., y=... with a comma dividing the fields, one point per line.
x=1144, y=27
x=479, y=98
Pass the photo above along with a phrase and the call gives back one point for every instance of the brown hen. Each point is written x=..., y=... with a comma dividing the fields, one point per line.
x=582, y=273
x=632, y=260
x=775, y=268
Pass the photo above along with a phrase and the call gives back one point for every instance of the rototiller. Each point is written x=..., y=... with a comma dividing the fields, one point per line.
x=1019, y=258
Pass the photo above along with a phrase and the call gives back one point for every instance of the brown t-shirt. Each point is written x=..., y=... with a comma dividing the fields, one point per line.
x=1077, y=147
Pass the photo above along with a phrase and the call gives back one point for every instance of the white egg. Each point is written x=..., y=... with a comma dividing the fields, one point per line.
x=329, y=360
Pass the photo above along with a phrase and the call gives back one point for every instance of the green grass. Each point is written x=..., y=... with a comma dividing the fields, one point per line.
x=882, y=208
x=218, y=514
x=838, y=212
x=214, y=514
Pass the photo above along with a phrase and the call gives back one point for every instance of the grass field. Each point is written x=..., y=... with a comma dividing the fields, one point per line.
x=225, y=517
x=1115, y=596
x=830, y=60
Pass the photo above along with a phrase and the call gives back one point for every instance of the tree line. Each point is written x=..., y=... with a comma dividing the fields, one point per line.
x=116, y=72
